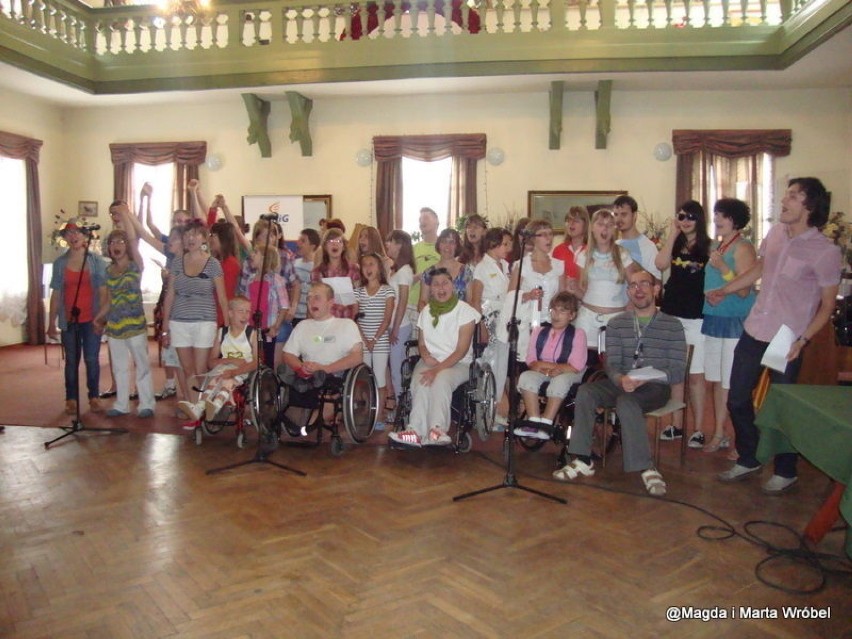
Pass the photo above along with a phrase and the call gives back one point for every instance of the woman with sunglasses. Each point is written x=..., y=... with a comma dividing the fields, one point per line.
x=686, y=252
x=334, y=263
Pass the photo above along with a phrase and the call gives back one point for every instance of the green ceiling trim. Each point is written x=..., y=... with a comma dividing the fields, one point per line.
x=548, y=52
x=258, y=132
x=603, y=118
x=557, y=91
x=300, y=131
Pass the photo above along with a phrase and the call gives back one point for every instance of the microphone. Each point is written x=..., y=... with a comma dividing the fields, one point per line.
x=527, y=233
x=88, y=228
x=270, y=217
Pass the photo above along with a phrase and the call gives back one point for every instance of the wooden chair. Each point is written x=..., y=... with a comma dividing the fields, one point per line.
x=670, y=408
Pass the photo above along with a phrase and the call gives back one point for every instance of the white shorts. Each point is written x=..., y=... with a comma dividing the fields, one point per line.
x=378, y=363
x=193, y=334
x=694, y=337
x=592, y=322
x=719, y=359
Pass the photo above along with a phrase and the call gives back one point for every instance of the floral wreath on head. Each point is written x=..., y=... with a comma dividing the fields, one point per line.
x=61, y=224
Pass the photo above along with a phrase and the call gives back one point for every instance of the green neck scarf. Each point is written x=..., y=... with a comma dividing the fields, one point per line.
x=436, y=309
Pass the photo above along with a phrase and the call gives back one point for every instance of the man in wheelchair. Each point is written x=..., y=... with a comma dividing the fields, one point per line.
x=238, y=354
x=556, y=354
x=320, y=349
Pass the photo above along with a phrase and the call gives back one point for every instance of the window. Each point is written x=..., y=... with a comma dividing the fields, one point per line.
x=750, y=179
x=13, y=259
x=425, y=184
x=713, y=164
x=162, y=179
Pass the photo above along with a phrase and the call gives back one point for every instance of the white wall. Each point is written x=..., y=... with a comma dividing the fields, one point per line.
x=76, y=162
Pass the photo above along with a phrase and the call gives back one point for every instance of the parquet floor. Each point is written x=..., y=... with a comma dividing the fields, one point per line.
x=125, y=536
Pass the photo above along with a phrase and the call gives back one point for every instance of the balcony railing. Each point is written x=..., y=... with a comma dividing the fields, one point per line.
x=104, y=43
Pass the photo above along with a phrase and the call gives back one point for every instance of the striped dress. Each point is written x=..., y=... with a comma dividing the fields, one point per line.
x=371, y=308
x=126, y=316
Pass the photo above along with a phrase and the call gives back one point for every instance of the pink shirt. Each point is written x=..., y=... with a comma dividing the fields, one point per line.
x=794, y=272
x=553, y=348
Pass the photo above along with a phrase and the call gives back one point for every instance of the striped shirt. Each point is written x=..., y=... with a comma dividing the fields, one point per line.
x=126, y=316
x=195, y=296
x=662, y=346
x=372, y=311
x=303, y=274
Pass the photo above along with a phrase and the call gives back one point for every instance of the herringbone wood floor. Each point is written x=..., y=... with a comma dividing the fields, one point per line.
x=125, y=536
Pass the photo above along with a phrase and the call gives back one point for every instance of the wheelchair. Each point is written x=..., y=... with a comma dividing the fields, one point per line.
x=354, y=398
x=240, y=414
x=473, y=403
x=606, y=433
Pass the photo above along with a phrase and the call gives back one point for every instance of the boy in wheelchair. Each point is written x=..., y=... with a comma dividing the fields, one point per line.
x=319, y=347
x=557, y=354
x=238, y=353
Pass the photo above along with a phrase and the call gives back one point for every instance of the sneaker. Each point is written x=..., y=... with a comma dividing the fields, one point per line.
x=531, y=432
x=70, y=406
x=671, y=433
x=190, y=410
x=737, y=473
x=168, y=391
x=146, y=413
x=696, y=440
x=778, y=484
x=573, y=470
x=95, y=405
x=114, y=412
x=405, y=438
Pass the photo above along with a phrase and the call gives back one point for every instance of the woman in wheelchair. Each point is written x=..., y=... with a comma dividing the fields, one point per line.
x=239, y=352
x=446, y=332
x=556, y=354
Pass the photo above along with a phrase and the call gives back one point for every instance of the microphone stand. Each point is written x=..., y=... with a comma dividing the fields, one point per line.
x=77, y=424
x=510, y=480
x=267, y=442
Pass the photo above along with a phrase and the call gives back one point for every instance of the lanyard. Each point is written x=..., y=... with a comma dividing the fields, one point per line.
x=640, y=335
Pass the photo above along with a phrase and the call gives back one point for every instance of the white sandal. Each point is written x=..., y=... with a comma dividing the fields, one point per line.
x=406, y=438
x=654, y=483
x=574, y=470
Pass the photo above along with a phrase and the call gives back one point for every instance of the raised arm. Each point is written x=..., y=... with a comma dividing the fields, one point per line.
x=197, y=205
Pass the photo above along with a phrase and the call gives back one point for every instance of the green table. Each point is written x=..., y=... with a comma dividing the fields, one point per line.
x=816, y=422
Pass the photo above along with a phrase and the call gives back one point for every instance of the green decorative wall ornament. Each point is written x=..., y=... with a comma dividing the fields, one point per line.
x=602, y=114
x=258, y=113
x=300, y=110
x=557, y=90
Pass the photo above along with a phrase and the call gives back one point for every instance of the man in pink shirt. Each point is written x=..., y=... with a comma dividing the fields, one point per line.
x=799, y=270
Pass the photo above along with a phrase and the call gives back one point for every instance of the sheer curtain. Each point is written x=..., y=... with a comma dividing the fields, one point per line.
x=717, y=161
x=19, y=147
x=186, y=157
x=465, y=149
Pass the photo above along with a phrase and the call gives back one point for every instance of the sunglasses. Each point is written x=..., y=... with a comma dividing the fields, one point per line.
x=681, y=217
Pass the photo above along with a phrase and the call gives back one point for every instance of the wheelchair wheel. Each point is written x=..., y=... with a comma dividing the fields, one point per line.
x=360, y=403
x=465, y=442
x=485, y=400
x=263, y=400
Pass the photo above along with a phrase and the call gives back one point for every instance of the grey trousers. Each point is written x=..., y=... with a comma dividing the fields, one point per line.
x=630, y=408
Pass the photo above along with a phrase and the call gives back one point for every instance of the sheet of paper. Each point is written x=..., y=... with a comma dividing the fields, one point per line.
x=343, y=291
x=648, y=374
x=775, y=356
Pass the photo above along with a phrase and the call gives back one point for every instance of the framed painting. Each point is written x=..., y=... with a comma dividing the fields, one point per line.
x=316, y=208
x=87, y=208
x=553, y=205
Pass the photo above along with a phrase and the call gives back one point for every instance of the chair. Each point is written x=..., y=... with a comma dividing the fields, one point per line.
x=669, y=408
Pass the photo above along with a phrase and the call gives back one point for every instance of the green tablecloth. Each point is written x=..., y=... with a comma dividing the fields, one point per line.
x=815, y=421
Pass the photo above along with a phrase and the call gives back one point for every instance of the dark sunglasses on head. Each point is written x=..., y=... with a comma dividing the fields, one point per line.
x=685, y=216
